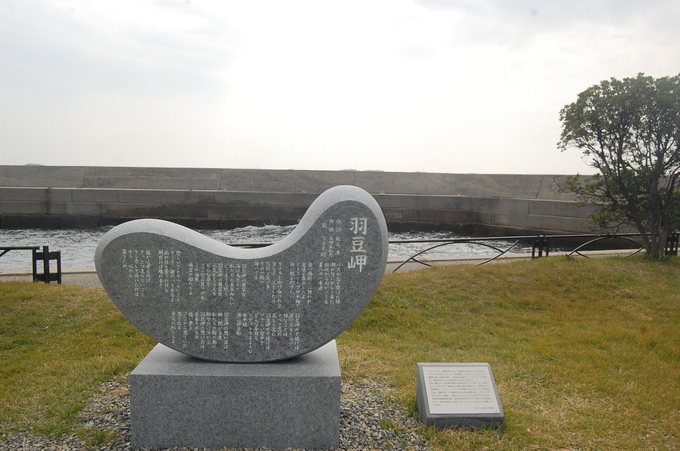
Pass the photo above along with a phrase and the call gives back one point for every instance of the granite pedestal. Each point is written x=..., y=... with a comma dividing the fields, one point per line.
x=178, y=400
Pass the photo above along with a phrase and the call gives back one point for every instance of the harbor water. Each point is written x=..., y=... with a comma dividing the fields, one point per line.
x=77, y=246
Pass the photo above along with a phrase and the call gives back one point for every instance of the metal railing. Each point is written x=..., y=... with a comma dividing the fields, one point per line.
x=44, y=257
x=541, y=245
x=441, y=242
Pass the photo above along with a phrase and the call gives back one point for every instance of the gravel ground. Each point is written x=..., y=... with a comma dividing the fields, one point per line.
x=368, y=421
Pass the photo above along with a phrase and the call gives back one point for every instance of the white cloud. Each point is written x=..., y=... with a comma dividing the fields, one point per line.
x=445, y=86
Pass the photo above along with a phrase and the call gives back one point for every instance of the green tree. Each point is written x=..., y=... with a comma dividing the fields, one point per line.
x=629, y=131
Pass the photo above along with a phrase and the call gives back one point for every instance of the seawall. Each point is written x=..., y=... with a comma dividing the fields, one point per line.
x=76, y=197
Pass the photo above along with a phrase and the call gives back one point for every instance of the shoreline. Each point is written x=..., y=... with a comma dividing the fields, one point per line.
x=87, y=277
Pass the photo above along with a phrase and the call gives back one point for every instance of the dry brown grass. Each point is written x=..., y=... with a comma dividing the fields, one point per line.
x=585, y=353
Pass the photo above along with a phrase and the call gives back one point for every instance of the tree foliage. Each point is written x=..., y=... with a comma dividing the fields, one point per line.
x=629, y=131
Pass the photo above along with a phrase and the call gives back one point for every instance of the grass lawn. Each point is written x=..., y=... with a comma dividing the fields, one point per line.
x=585, y=353
x=58, y=343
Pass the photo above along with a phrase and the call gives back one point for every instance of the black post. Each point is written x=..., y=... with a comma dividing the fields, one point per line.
x=540, y=243
x=46, y=263
x=46, y=256
x=36, y=276
x=672, y=244
x=58, y=257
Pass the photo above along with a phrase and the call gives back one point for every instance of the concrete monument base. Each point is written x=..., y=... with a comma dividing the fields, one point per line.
x=181, y=401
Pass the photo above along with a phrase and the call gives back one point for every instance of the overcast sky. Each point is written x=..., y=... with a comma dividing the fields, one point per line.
x=452, y=86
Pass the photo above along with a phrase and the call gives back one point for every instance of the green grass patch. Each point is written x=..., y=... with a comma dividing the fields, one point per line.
x=586, y=353
x=57, y=344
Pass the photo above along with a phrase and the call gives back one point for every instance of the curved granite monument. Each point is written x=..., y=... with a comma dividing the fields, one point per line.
x=227, y=304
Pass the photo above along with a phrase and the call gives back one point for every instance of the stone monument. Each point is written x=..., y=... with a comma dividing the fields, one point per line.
x=458, y=395
x=246, y=354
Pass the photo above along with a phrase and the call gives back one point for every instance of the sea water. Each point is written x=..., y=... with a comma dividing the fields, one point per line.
x=77, y=246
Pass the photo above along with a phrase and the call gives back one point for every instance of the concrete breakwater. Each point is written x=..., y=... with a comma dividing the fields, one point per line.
x=82, y=197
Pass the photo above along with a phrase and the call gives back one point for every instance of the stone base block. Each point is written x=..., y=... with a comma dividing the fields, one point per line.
x=180, y=401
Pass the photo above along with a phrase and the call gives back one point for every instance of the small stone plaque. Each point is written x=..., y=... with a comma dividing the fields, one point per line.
x=223, y=303
x=458, y=395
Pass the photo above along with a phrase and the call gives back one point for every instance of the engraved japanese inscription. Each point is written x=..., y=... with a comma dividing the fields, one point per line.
x=223, y=303
x=458, y=395
x=460, y=389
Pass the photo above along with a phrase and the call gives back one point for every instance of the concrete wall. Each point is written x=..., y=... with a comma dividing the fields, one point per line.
x=66, y=197
x=282, y=181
